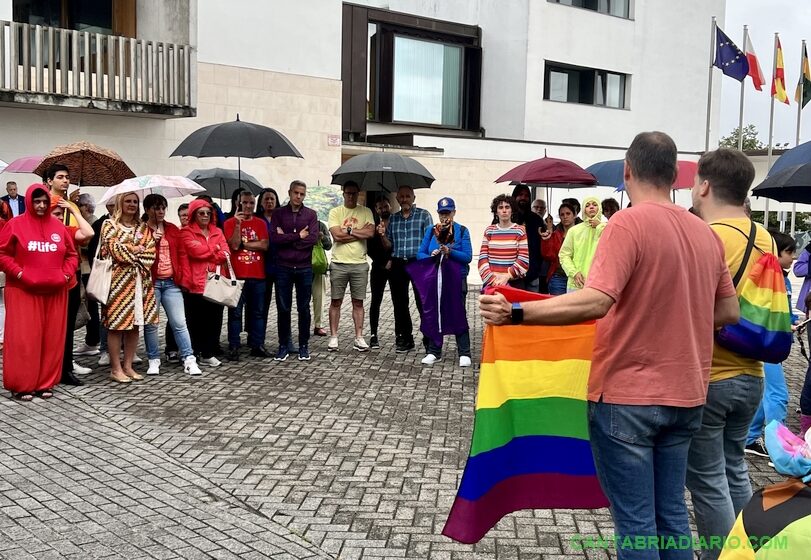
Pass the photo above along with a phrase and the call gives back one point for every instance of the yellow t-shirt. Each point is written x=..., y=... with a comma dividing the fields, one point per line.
x=726, y=364
x=353, y=252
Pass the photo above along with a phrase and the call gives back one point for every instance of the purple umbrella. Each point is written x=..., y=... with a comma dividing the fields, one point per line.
x=25, y=164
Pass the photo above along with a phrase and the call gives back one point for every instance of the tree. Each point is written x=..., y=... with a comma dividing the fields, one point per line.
x=750, y=139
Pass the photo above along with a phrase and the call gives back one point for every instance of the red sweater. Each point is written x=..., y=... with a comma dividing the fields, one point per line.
x=550, y=248
x=38, y=246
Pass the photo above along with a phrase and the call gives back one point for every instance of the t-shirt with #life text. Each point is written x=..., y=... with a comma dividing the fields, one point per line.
x=664, y=268
x=247, y=263
x=342, y=217
x=725, y=363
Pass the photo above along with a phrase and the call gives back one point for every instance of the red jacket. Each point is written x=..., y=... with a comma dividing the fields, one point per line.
x=38, y=246
x=202, y=255
x=550, y=248
x=177, y=253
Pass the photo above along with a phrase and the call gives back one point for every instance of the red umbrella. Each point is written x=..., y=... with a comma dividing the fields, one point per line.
x=686, y=175
x=25, y=164
x=549, y=171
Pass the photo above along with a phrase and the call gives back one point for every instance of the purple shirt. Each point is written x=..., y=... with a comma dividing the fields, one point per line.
x=291, y=250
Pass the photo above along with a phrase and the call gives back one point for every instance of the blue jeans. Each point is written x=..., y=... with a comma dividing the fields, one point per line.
x=170, y=296
x=641, y=457
x=253, y=300
x=774, y=404
x=717, y=476
x=286, y=279
x=557, y=285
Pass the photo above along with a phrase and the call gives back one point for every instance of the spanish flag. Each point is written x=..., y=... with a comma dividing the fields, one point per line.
x=779, y=77
x=803, y=92
x=530, y=447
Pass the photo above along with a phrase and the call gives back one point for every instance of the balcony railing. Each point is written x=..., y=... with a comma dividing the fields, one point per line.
x=78, y=64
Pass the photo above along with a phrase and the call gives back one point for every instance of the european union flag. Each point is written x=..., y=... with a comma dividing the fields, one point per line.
x=729, y=58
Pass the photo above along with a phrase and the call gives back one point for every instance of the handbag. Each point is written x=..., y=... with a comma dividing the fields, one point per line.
x=82, y=315
x=222, y=290
x=320, y=262
x=101, y=277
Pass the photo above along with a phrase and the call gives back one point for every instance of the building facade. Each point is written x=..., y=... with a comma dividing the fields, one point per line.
x=469, y=87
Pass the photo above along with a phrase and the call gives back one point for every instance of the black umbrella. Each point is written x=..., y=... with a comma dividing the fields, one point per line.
x=222, y=183
x=236, y=139
x=383, y=171
x=793, y=184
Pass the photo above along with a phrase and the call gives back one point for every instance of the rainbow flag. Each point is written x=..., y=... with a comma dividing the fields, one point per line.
x=763, y=331
x=530, y=447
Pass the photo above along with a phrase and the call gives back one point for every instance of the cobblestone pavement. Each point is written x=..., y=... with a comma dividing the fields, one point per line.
x=347, y=456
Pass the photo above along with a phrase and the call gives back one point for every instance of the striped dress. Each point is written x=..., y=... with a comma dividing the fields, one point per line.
x=132, y=297
x=503, y=250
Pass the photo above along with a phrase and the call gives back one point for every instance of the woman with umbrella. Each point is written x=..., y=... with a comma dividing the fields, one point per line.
x=39, y=259
x=131, y=304
x=551, y=242
x=205, y=247
x=268, y=202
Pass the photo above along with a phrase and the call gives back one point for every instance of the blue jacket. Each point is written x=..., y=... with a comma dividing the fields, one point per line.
x=461, y=248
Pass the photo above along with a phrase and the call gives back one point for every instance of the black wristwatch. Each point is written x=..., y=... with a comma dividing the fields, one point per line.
x=517, y=314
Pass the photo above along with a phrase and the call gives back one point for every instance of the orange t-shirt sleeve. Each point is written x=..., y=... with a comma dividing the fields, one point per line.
x=614, y=261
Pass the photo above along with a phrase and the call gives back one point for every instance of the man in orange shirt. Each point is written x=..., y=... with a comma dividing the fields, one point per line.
x=659, y=286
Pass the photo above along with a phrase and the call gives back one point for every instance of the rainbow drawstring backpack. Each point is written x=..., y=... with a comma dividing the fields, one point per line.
x=764, y=330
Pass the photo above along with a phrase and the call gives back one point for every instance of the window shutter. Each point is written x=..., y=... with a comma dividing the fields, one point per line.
x=124, y=20
x=471, y=109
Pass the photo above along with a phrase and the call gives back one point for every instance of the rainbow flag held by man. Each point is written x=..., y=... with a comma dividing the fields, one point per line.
x=530, y=447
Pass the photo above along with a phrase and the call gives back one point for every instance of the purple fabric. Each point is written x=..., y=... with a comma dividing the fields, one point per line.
x=801, y=271
x=451, y=311
x=291, y=250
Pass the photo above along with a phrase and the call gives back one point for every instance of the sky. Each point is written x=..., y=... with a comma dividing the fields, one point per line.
x=792, y=20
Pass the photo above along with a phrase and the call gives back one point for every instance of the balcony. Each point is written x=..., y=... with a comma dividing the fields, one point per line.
x=50, y=67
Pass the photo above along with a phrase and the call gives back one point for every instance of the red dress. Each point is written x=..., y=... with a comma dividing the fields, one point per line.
x=36, y=303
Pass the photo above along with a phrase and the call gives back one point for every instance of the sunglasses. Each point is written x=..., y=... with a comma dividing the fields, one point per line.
x=204, y=213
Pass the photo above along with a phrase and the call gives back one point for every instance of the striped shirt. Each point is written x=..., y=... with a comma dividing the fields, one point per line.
x=503, y=250
x=406, y=233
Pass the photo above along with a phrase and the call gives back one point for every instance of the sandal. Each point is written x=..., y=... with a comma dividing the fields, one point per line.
x=46, y=394
x=23, y=396
x=135, y=376
x=120, y=378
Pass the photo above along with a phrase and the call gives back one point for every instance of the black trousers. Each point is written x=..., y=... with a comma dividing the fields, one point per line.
x=204, y=319
x=74, y=300
x=399, y=282
x=92, y=335
x=378, y=278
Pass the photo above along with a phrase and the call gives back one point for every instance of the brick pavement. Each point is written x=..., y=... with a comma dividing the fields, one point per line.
x=347, y=456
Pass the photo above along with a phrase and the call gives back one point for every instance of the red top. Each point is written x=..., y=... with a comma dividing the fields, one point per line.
x=248, y=263
x=40, y=247
x=664, y=268
x=202, y=255
x=177, y=253
x=550, y=248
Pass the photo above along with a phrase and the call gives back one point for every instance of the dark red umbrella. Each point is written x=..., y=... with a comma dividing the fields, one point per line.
x=549, y=171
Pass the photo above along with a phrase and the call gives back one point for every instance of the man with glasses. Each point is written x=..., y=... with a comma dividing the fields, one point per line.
x=403, y=236
x=350, y=225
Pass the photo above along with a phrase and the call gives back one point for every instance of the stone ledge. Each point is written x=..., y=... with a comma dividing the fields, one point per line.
x=20, y=99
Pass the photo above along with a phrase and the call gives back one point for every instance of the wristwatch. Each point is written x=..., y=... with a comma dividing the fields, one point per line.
x=517, y=314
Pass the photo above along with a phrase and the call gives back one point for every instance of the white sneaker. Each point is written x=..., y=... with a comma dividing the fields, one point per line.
x=212, y=361
x=154, y=367
x=332, y=345
x=136, y=359
x=80, y=370
x=360, y=345
x=104, y=359
x=85, y=350
x=428, y=360
x=190, y=366
x=464, y=361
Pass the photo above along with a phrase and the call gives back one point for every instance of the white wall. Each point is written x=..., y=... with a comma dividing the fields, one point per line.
x=296, y=37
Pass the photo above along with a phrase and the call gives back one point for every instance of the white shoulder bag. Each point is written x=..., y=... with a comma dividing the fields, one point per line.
x=222, y=290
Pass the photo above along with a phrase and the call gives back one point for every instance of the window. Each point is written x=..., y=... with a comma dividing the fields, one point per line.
x=113, y=17
x=589, y=86
x=619, y=8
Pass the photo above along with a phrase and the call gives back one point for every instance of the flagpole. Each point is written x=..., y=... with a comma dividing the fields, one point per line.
x=709, y=85
x=801, y=88
x=771, y=129
x=740, y=113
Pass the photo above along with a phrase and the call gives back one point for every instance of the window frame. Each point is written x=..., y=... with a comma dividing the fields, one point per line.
x=630, y=8
x=592, y=76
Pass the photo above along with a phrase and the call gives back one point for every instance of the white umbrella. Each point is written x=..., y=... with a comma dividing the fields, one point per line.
x=170, y=186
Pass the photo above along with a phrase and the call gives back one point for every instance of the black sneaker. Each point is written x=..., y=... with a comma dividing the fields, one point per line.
x=757, y=448
x=373, y=342
x=282, y=354
x=173, y=357
x=404, y=346
x=233, y=354
x=303, y=353
x=260, y=352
